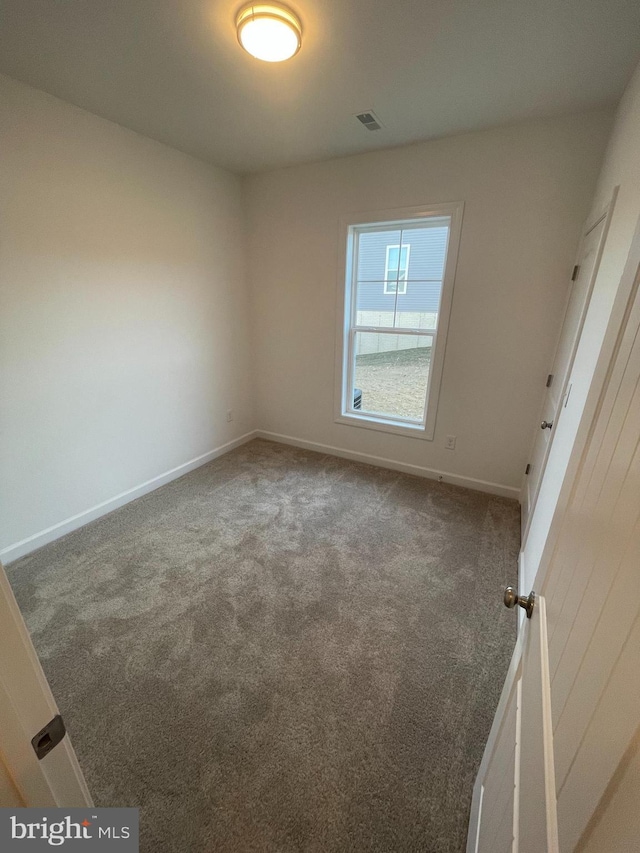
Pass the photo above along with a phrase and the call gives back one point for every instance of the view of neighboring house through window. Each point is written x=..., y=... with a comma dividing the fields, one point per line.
x=397, y=297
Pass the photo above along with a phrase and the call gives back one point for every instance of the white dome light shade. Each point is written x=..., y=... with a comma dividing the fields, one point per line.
x=268, y=32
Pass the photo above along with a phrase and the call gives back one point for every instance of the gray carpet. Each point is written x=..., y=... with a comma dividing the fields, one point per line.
x=282, y=651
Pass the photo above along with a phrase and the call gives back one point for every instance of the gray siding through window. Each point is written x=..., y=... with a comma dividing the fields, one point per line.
x=426, y=269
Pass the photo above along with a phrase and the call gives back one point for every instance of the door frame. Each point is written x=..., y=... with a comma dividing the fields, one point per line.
x=616, y=326
x=605, y=213
x=26, y=706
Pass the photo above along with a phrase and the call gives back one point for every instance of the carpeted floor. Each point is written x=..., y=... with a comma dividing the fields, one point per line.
x=282, y=651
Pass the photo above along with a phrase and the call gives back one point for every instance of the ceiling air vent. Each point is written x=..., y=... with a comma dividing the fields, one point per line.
x=370, y=120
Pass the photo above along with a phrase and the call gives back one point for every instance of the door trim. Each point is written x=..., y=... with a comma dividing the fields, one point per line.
x=606, y=214
x=616, y=327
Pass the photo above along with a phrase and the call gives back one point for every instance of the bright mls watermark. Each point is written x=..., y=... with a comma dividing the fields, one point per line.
x=69, y=829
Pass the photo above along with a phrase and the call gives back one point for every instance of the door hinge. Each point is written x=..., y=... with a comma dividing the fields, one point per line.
x=574, y=274
x=49, y=737
x=549, y=380
x=528, y=468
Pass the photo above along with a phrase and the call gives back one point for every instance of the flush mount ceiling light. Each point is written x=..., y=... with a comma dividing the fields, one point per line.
x=269, y=32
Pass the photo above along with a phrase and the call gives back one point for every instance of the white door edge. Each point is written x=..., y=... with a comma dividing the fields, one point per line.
x=473, y=835
x=26, y=706
x=547, y=742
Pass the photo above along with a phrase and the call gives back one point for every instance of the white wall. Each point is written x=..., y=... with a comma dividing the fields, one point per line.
x=526, y=189
x=123, y=311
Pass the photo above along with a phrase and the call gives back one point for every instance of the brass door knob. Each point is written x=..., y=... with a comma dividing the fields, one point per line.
x=511, y=598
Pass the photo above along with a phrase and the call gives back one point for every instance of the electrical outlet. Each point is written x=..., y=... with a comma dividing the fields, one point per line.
x=450, y=442
x=229, y=414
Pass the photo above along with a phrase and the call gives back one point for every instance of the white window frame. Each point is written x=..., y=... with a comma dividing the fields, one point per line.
x=397, y=280
x=347, y=326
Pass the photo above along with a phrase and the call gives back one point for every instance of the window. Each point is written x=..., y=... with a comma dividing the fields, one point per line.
x=396, y=269
x=395, y=306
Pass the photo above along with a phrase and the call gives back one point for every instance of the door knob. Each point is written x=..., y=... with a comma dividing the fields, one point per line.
x=546, y=424
x=511, y=598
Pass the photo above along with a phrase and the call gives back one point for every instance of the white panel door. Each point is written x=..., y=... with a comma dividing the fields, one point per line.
x=557, y=394
x=26, y=706
x=589, y=589
x=594, y=608
x=514, y=800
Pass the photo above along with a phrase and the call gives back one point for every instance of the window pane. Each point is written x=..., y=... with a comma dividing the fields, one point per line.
x=376, y=303
x=372, y=254
x=391, y=373
x=397, y=264
x=417, y=307
x=428, y=251
x=399, y=275
x=393, y=256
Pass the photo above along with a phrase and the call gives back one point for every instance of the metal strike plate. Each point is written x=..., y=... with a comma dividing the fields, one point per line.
x=49, y=737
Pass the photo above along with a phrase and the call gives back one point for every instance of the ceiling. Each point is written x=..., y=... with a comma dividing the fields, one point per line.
x=173, y=70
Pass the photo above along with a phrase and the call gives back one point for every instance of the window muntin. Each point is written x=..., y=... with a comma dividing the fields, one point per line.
x=397, y=305
x=396, y=269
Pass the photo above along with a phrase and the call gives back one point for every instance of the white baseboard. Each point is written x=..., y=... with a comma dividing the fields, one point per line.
x=394, y=465
x=31, y=543
x=26, y=546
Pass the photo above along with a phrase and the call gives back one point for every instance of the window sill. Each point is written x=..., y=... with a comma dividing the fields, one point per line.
x=381, y=425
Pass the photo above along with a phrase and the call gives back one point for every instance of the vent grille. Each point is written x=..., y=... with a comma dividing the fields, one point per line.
x=370, y=120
